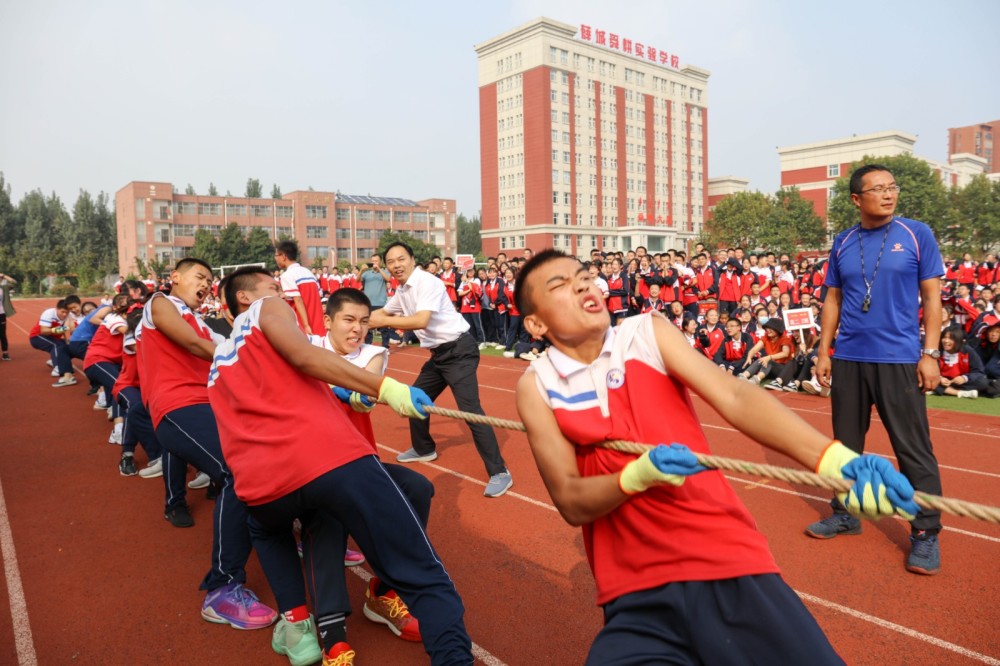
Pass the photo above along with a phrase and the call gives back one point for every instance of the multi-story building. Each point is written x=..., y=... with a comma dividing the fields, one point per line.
x=721, y=187
x=589, y=139
x=977, y=140
x=815, y=167
x=157, y=222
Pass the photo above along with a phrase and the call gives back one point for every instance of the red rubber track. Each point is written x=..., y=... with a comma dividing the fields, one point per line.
x=107, y=580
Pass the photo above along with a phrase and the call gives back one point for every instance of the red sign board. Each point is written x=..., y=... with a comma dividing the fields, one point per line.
x=798, y=318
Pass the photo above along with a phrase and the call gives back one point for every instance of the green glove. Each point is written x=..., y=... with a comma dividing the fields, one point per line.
x=404, y=400
x=663, y=464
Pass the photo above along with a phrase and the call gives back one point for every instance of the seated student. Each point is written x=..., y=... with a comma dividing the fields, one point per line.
x=676, y=313
x=653, y=302
x=318, y=468
x=799, y=368
x=776, y=350
x=138, y=428
x=49, y=335
x=80, y=339
x=961, y=368
x=693, y=335
x=346, y=321
x=989, y=346
x=659, y=531
x=732, y=353
x=713, y=331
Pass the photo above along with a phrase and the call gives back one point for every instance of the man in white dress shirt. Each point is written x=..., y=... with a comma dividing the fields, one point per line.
x=421, y=305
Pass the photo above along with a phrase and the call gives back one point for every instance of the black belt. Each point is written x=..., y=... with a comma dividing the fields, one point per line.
x=449, y=345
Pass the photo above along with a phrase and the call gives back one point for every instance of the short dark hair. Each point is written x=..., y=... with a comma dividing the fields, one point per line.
x=72, y=299
x=61, y=304
x=394, y=244
x=861, y=172
x=448, y=259
x=342, y=297
x=190, y=262
x=289, y=248
x=242, y=279
x=134, y=284
x=522, y=300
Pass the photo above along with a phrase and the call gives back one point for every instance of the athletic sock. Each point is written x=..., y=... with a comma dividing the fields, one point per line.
x=128, y=454
x=332, y=630
x=297, y=614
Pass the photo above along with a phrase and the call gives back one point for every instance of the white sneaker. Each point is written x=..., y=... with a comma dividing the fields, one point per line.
x=200, y=481
x=811, y=386
x=64, y=381
x=55, y=372
x=508, y=354
x=971, y=394
x=497, y=345
x=116, y=436
x=773, y=386
x=483, y=345
x=528, y=356
x=755, y=380
x=49, y=363
x=100, y=405
x=153, y=470
x=111, y=413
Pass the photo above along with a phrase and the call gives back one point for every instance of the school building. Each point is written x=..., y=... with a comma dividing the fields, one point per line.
x=976, y=140
x=155, y=221
x=589, y=139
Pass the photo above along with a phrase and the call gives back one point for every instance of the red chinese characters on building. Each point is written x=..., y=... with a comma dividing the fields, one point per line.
x=585, y=32
x=674, y=61
x=600, y=38
x=625, y=45
x=613, y=41
x=651, y=53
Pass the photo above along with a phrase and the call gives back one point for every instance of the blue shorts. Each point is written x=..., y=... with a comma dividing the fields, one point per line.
x=746, y=620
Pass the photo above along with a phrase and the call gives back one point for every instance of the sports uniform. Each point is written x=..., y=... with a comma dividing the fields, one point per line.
x=670, y=552
x=53, y=344
x=296, y=280
x=103, y=360
x=317, y=466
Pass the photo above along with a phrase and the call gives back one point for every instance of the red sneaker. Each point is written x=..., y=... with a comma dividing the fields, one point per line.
x=391, y=611
x=340, y=654
x=353, y=558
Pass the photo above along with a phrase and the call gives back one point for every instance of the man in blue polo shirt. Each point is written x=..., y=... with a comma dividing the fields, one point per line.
x=880, y=273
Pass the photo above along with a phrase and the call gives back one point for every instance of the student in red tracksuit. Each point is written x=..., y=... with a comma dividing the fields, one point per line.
x=730, y=286
x=732, y=353
x=713, y=332
x=653, y=302
x=988, y=271
x=103, y=361
x=961, y=368
x=512, y=318
x=966, y=271
x=470, y=292
x=450, y=278
x=493, y=287
x=618, y=291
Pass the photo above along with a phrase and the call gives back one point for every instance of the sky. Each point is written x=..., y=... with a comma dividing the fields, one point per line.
x=381, y=97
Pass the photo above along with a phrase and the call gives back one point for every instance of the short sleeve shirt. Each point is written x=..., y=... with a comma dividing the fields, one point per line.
x=890, y=331
x=421, y=292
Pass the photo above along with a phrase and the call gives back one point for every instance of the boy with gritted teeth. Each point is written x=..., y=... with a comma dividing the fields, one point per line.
x=682, y=573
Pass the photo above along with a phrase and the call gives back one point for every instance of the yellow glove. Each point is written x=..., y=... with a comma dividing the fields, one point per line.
x=404, y=400
x=878, y=490
x=360, y=403
x=657, y=466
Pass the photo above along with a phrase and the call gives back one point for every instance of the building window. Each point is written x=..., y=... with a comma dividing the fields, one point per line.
x=186, y=208
x=343, y=234
x=833, y=171
x=316, y=212
x=313, y=253
x=343, y=214
x=284, y=211
x=382, y=216
x=363, y=215
x=236, y=210
x=260, y=211
x=401, y=216
x=209, y=209
x=186, y=230
x=315, y=232
x=214, y=229
x=284, y=231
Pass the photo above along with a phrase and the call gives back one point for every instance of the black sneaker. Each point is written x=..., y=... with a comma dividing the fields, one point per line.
x=838, y=523
x=126, y=466
x=179, y=516
x=6, y=356
x=93, y=389
x=925, y=554
x=212, y=492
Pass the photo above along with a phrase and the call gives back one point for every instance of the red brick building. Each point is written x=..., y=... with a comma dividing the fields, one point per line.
x=589, y=139
x=157, y=222
x=976, y=140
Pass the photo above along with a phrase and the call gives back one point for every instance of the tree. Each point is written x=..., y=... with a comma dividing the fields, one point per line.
x=42, y=250
x=792, y=224
x=922, y=196
x=212, y=191
x=275, y=191
x=975, y=216
x=232, y=245
x=469, y=240
x=254, y=189
x=189, y=189
x=422, y=251
x=206, y=247
x=11, y=231
x=141, y=268
x=157, y=267
x=260, y=248
x=738, y=219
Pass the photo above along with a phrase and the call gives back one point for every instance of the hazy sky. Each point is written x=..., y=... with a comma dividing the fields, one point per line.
x=381, y=97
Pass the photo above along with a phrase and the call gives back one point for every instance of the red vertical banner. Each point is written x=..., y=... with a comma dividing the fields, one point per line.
x=573, y=129
x=650, y=140
x=489, y=168
x=620, y=172
x=669, y=164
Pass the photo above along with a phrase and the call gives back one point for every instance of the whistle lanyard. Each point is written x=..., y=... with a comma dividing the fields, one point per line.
x=866, y=304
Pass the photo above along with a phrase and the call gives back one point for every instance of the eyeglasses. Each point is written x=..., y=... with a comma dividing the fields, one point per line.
x=881, y=189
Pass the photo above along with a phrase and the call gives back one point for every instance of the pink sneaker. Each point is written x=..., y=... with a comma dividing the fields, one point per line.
x=353, y=558
x=237, y=606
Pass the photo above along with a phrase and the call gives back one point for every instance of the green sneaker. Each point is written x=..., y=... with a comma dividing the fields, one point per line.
x=297, y=641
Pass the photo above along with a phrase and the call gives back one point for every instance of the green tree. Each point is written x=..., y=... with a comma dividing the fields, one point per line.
x=189, y=189
x=42, y=251
x=157, y=267
x=922, y=196
x=260, y=248
x=212, y=191
x=275, y=191
x=791, y=224
x=469, y=240
x=11, y=232
x=254, y=189
x=975, y=216
x=232, y=245
x=422, y=251
x=206, y=247
x=141, y=268
x=738, y=219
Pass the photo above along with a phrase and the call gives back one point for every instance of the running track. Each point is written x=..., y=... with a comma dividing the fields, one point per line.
x=94, y=575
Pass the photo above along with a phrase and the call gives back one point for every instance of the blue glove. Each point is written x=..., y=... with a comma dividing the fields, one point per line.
x=663, y=464
x=342, y=394
x=882, y=490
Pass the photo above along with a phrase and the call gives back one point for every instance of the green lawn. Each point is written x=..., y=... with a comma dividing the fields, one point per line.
x=988, y=406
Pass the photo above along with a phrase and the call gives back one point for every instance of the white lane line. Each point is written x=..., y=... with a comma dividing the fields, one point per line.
x=892, y=626
x=478, y=651
x=23, y=642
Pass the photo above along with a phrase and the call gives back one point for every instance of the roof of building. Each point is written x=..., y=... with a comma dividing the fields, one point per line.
x=375, y=201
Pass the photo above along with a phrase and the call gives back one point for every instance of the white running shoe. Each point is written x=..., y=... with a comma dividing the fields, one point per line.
x=55, y=372
x=116, y=436
x=200, y=481
x=152, y=470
